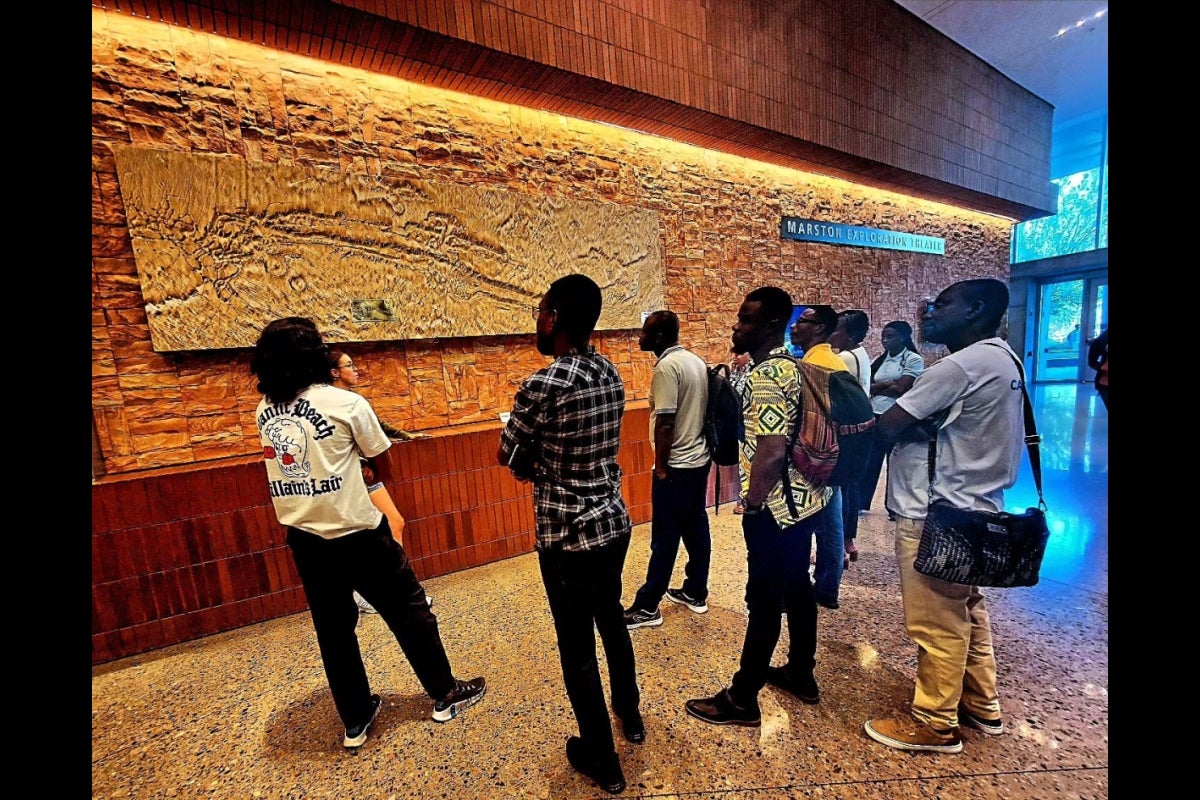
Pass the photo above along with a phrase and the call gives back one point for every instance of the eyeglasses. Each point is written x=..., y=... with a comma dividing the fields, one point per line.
x=537, y=311
x=348, y=366
x=803, y=321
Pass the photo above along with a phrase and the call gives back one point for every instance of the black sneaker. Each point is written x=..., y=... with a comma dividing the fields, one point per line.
x=805, y=689
x=721, y=710
x=464, y=695
x=604, y=770
x=637, y=618
x=356, y=735
x=685, y=599
x=632, y=727
x=992, y=727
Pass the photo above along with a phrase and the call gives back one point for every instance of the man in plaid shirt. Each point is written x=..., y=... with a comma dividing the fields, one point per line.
x=563, y=434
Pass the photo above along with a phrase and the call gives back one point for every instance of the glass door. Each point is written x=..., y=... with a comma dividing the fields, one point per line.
x=1097, y=318
x=1070, y=314
x=1061, y=348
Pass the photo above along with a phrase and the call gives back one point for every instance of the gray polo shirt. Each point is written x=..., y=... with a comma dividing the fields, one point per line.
x=680, y=386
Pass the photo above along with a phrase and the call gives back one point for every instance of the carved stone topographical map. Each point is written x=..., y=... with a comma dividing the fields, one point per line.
x=223, y=246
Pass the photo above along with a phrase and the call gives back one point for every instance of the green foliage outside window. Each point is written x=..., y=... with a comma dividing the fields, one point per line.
x=1081, y=223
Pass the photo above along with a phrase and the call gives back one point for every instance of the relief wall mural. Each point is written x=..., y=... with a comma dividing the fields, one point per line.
x=224, y=245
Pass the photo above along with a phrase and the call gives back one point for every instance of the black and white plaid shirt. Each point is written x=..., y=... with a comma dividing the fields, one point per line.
x=569, y=413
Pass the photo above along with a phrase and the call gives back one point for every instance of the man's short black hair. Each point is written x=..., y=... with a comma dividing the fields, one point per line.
x=666, y=323
x=826, y=317
x=776, y=303
x=994, y=296
x=577, y=300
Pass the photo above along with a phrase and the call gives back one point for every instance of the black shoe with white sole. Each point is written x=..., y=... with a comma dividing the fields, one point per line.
x=464, y=695
x=685, y=599
x=356, y=735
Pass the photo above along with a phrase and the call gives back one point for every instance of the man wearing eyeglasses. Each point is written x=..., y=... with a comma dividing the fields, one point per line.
x=810, y=333
x=563, y=435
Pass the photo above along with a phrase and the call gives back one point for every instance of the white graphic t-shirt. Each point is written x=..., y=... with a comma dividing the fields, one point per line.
x=311, y=448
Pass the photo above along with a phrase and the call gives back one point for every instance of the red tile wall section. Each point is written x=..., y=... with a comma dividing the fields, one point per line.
x=197, y=550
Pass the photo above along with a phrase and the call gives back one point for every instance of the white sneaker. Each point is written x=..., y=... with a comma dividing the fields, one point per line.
x=363, y=605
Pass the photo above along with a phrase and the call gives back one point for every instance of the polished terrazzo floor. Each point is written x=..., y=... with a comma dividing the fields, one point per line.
x=247, y=714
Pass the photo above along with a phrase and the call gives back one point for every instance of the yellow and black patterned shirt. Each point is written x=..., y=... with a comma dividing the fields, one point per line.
x=769, y=404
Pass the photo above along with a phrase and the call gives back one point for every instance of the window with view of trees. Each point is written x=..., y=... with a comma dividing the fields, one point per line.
x=1081, y=223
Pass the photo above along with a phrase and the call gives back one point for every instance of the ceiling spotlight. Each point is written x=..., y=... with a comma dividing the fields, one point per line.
x=1080, y=23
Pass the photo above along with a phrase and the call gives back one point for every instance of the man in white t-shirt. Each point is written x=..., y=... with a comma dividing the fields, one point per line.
x=678, y=396
x=978, y=452
x=313, y=435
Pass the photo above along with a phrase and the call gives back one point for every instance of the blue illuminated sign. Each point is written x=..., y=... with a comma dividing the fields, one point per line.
x=812, y=230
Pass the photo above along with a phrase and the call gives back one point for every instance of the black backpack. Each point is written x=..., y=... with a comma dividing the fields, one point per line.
x=722, y=423
x=851, y=410
x=856, y=426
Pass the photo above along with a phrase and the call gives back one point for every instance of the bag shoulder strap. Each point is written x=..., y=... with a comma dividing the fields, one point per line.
x=1032, y=439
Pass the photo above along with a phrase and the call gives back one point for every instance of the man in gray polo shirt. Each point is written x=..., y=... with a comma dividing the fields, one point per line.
x=678, y=396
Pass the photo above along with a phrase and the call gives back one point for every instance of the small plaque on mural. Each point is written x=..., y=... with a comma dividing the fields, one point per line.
x=374, y=310
x=815, y=230
x=224, y=245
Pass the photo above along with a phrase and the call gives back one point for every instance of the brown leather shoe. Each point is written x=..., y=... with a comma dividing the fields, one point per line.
x=906, y=733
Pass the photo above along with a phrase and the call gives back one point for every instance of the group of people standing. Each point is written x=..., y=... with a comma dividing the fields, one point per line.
x=563, y=435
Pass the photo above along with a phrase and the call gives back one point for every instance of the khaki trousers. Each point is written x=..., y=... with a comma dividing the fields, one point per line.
x=949, y=624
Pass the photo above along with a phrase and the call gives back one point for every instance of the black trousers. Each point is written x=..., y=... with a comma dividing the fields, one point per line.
x=777, y=579
x=584, y=589
x=678, y=515
x=870, y=479
x=376, y=566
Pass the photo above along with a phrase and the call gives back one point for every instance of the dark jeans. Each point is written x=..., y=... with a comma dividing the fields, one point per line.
x=831, y=550
x=678, y=514
x=870, y=479
x=375, y=565
x=850, y=509
x=777, y=578
x=584, y=589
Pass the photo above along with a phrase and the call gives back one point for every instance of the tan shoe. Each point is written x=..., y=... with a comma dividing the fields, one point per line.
x=905, y=733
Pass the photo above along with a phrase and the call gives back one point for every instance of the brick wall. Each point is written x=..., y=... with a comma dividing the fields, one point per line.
x=156, y=84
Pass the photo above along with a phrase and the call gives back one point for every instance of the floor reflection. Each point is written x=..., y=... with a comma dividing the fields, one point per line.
x=1073, y=424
